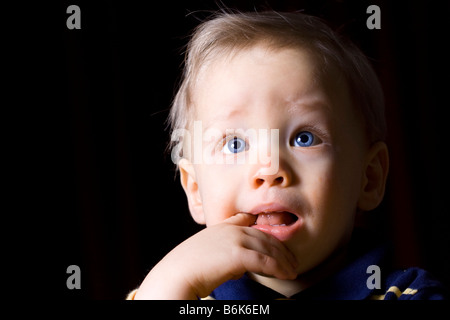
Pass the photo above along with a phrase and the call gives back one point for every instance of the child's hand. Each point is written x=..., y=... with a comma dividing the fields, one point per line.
x=214, y=255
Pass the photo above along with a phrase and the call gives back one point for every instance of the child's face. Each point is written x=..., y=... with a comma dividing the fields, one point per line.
x=320, y=156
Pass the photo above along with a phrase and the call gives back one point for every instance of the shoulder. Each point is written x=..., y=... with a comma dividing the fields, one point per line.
x=412, y=284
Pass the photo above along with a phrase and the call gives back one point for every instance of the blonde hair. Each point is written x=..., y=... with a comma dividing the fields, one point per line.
x=228, y=33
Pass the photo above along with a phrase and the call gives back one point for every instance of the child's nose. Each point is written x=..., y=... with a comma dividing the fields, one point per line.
x=263, y=176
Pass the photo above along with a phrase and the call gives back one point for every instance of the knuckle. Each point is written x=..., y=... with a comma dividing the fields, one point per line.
x=266, y=261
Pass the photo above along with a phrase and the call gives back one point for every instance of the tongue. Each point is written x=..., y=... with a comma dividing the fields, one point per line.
x=276, y=219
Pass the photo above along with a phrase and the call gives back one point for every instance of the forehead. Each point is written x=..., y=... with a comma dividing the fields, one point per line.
x=260, y=76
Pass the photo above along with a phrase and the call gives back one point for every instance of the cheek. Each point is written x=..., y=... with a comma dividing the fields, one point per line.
x=333, y=193
x=330, y=204
x=218, y=185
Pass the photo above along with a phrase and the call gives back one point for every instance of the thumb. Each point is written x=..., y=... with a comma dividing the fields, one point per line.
x=241, y=219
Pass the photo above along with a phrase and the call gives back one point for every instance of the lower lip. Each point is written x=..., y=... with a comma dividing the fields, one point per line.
x=282, y=233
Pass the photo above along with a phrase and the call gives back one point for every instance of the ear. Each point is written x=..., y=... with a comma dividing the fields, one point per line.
x=189, y=183
x=374, y=177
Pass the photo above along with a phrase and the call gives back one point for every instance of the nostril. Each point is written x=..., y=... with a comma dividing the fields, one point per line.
x=279, y=180
x=259, y=181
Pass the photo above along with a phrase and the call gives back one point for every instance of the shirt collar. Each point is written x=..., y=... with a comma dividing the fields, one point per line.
x=349, y=283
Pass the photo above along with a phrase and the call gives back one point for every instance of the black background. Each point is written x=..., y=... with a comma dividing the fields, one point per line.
x=95, y=185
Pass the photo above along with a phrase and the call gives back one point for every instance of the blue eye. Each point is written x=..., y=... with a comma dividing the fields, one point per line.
x=234, y=145
x=304, y=139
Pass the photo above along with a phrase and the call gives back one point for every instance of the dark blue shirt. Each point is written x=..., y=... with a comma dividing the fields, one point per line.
x=349, y=283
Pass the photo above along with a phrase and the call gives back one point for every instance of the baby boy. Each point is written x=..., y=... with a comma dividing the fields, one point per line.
x=283, y=85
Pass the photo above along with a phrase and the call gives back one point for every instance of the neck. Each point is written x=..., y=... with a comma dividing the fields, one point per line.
x=288, y=288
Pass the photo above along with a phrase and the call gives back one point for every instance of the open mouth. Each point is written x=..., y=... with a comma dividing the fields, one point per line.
x=276, y=219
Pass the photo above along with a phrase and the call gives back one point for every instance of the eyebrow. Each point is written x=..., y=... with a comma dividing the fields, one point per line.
x=225, y=117
x=311, y=104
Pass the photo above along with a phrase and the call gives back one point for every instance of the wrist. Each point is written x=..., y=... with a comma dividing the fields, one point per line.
x=165, y=284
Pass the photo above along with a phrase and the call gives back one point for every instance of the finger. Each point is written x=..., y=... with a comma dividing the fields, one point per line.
x=267, y=244
x=267, y=265
x=273, y=254
x=274, y=259
x=241, y=219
